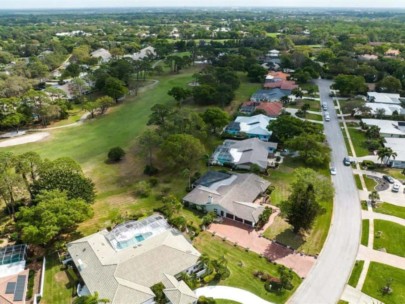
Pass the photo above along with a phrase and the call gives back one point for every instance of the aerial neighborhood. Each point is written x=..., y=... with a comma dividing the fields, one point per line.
x=202, y=156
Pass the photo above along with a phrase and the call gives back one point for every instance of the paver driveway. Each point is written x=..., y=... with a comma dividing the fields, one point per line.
x=249, y=238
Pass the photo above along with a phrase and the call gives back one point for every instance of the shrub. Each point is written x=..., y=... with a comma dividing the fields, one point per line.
x=142, y=189
x=116, y=154
x=204, y=300
x=150, y=170
x=208, y=218
x=263, y=218
x=369, y=164
x=153, y=182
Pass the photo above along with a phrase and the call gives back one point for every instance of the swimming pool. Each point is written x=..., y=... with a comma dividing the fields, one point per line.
x=135, y=240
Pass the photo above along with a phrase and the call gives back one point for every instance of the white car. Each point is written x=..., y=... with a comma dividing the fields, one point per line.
x=327, y=118
x=395, y=188
x=333, y=170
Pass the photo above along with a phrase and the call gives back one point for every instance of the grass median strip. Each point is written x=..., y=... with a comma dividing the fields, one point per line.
x=364, y=232
x=355, y=276
x=389, y=209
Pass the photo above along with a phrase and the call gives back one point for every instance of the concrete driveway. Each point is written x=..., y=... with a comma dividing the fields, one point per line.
x=326, y=281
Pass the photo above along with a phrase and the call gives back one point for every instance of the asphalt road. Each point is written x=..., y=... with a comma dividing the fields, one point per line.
x=326, y=281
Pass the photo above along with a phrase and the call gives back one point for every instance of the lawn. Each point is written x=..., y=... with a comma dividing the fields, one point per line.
x=376, y=279
x=349, y=151
x=364, y=232
x=358, y=140
x=370, y=183
x=355, y=276
x=394, y=172
x=358, y=182
x=281, y=178
x=59, y=285
x=243, y=93
x=312, y=116
x=391, y=238
x=315, y=105
x=242, y=264
x=389, y=209
x=89, y=143
x=221, y=301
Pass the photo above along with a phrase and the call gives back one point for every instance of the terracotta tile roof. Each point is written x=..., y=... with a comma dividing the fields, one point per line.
x=279, y=75
x=271, y=108
x=283, y=84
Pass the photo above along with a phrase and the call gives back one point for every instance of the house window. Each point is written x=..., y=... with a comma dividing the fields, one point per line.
x=216, y=210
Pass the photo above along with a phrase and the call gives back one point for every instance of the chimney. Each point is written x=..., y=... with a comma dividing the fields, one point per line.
x=209, y=199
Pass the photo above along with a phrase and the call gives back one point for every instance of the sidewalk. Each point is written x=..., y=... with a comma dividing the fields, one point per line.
x=366, y=253
x=381, y=216
x=353, y=295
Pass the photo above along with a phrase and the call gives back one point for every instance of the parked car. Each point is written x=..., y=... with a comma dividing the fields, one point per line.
x=333, y=170
x=346, y=161
x=388, y=179
x=395, y=188
x=327, y=118
x=324, y=106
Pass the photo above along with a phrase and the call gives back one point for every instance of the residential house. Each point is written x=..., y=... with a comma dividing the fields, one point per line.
x=102, y=54
x=388, y=109
x=269, y=95
x=243, y=154
x=144, y=53
x=271, y=109
x=13, y=275
x=279, y=80
x=397, y=145
x=123, y=264
x=388, y=128
x=367, y=57
x=251, y=126
x=387, y=98
x=234, y=196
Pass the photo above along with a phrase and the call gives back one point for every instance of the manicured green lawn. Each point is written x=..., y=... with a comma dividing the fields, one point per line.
x=243, y=93
x=242, y=264
x=343, y=302
x=358, y=139
x=396, y=173
x=377, y=277
x=358, y=182
x=281, y=178
x=89, y=143
x=349, y=151
x=392, y=237
x=59, y=286
x=370, y=183
x=390, y=209
x=354, y=277
x=315, y=105
x=364, y=232
x=315, y=117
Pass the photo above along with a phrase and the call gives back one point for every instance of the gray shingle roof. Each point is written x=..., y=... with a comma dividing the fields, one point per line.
x=235, y=194
x=244, y=152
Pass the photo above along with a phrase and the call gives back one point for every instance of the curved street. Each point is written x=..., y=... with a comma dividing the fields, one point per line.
x=327, y=279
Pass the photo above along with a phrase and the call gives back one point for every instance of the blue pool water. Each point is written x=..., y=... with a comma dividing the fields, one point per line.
x=140, y=238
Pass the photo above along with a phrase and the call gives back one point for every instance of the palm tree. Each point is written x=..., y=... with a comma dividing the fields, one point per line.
x=373, y=197
x=91, y=299
x=385, y=154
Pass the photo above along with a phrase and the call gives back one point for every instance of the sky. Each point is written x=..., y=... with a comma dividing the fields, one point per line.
x=25, y=4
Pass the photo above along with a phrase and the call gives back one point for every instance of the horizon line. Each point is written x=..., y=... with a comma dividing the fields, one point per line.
x=211, y=6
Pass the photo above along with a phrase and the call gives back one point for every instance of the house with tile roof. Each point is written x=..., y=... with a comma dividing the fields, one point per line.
x=123, y=264
x=243, y=154
x=271, y=109
x=233, y=196
x=250, y=126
